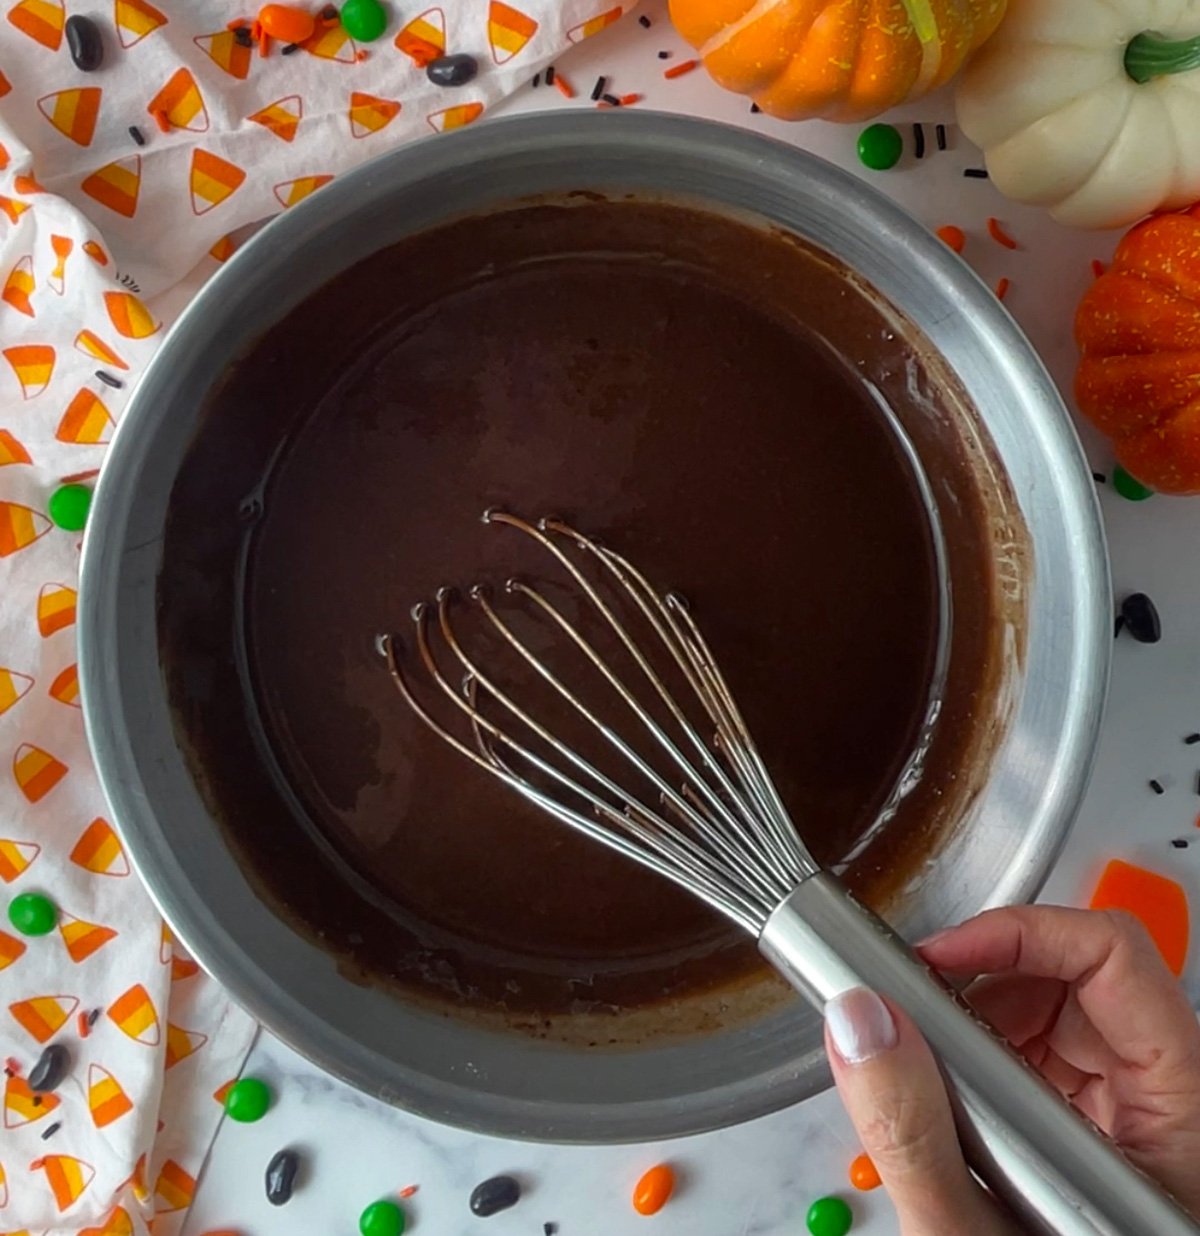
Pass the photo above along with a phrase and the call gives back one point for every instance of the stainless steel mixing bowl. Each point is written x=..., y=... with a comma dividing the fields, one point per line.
x=451, y=1070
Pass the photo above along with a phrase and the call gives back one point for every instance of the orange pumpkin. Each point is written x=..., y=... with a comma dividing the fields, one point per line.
x=834, y=59
x=1138, y=330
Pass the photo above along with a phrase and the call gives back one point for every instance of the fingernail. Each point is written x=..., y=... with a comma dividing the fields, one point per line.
x=933, y=939
x=860, y=1025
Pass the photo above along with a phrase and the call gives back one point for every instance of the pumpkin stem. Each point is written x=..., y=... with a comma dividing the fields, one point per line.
x=1150, y=55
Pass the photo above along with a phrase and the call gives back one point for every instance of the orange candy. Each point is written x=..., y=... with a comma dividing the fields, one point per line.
x=953, y=236
x=1160, y=903
x=654, y=1190
x=285, y=23
x=864, y=1175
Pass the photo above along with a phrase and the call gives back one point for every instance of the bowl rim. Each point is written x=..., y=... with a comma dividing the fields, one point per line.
x=111, y=556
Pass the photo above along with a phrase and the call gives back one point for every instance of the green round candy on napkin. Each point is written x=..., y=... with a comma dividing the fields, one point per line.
x=247, y=1100
x=32, y=914
x=364, y=20
x=69, y=506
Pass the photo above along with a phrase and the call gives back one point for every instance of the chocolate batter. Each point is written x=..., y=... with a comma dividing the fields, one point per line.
x=665, y=379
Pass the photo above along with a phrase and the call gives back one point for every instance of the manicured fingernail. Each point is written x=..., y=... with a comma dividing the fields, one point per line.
x=860, y=1025
x=933, y=939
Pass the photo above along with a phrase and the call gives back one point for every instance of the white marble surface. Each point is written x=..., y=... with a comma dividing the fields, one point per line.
x=758, y=1179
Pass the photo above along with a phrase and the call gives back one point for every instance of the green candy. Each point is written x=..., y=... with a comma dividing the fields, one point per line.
x=381, y=1219
x=32, y=914
x=69, y=506
x=829, y=1216
x=880, y=147
x=364, y=20
x=247, y=1100
x=1130, y=487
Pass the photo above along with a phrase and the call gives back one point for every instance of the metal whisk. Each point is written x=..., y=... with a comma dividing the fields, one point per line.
x=643, y=774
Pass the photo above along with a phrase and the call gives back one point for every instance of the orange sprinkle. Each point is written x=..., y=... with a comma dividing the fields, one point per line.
x=1002, y=289
x=1159, y=902
x=563, y=86
x=999, y=235
x=161, y=119
x=864, y=1175
x=684, y=66
x=628, y=100
x=264, y=44
x=955, y=237
x=1097, y=267
x=408, y=1191
x=81, y=1024
x=75, y=477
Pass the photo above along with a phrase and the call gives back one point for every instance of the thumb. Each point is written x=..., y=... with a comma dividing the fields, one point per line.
x=896, y=1099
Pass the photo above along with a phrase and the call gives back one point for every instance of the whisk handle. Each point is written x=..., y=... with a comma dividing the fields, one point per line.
x=1051, y=1166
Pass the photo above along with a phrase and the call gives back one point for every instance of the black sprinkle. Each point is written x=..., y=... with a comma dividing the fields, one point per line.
x=1099, y=478
x=289, y=49
x=1141, y=618
x=136, y=134
x=755, y=109
x=329, y=12
x=8, y=1072
x=281, y=1176
x=919, y=140
x=975, y=173
x=1117, y=626
x=644, y=22
x=549, y=1229
x=494, y=1195
x=36, y=1100
x=611, y=100
x=1198, y=783
x=550, y=76
x=664, y=55
x=941, y=136
x=598, y=88
x=109, y=380
x=537, y=81
x=93, y=1017
x=1157, y=786
x=243, y=36
x=1180, y=843
x=1192, y=739
x=50, y=1132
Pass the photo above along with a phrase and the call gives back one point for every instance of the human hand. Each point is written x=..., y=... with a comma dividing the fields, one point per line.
x=1085, y=997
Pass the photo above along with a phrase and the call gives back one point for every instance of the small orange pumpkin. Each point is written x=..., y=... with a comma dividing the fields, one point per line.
x=1138, y=330
x=834, y=59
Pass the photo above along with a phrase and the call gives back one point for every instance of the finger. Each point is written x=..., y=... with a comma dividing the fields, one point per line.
x=1029, y=1010
x=1018, y=1006
x=1122, y=983
x=896, y=1099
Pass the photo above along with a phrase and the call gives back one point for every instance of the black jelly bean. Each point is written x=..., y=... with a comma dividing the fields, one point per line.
x=1141, y=618
x=452, y=70
x=50, y=1069
x=84, y=43
x=494, y=1195
x=281, y=1176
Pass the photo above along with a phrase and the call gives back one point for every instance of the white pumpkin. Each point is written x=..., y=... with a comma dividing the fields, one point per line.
x=1054, y=102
